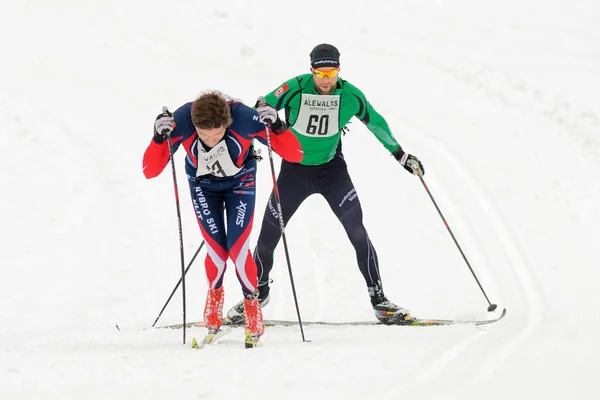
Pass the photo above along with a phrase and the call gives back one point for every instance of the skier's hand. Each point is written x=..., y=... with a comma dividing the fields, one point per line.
x=409, y=162
x=163, y=125
x=268, y=115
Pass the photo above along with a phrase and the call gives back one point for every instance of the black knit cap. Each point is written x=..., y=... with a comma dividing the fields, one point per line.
x=325, y=55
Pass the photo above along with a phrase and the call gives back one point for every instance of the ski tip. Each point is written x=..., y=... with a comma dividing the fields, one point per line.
x=117, y=325
x=493, y=320
x=252, y=344
x=502, y=314
x=252, y=340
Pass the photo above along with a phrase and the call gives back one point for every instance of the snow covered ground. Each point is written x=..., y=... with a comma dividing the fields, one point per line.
x=500, y=100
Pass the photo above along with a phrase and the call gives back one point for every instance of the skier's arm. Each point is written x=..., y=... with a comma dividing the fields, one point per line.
x=372, y=119
x=286, y=144
x=156, y=158
x=378, y=125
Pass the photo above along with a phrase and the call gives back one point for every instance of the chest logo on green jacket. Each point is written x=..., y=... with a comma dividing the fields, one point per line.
x=318, y=115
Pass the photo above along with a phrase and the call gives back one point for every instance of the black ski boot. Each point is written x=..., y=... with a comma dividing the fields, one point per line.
x=385, y=311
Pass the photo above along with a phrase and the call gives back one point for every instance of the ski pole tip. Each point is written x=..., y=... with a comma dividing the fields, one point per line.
x=492, y=307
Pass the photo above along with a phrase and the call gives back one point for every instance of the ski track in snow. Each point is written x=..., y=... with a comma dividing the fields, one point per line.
x=522, y=320
x=519, y=323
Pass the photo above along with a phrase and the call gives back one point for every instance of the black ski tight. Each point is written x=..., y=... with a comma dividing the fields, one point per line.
x=296, y=182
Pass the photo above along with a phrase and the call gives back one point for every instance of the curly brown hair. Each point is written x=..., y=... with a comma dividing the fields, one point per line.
x=210, y=111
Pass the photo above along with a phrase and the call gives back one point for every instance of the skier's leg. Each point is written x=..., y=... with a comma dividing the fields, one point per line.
x=339, y=191
x=239, y=203
x=335, y=185
x=208, y=205
x=240, y=218
x=294, y=187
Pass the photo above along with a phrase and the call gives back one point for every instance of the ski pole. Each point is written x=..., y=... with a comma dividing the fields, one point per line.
x=166, y=111
x=179, y=283
x=282, y=227
x=491, y=307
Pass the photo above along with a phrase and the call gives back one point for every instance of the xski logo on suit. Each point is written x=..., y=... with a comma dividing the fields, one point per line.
x=203, y=205
x=198, y=210
x=202, y=209
x=241, y=214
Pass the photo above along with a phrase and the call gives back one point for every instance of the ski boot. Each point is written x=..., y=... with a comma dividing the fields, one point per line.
x=385, y=311
x=235, y=315
x=213, y=310
x=255, y=326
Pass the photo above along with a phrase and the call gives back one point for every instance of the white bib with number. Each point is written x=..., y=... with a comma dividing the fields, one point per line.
x=216, y=161
x=318, y=115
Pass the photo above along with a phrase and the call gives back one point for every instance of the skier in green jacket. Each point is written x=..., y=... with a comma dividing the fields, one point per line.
x=317, y=108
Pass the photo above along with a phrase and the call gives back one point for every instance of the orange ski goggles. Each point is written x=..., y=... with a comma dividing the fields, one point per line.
x=325, y=74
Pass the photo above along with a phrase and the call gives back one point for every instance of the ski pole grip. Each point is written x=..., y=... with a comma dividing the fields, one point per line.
x=417, y=170
x=415, y=167
x=166, y=111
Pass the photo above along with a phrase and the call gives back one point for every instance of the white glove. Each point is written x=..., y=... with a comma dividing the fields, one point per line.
x=163, y=126
x=267, y=115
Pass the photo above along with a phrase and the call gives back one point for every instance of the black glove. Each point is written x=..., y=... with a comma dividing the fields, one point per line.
x=163, y=125
x=268, y=115
x=409, y=162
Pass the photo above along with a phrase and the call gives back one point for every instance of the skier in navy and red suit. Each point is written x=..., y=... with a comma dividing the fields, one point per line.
x=217, y=133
